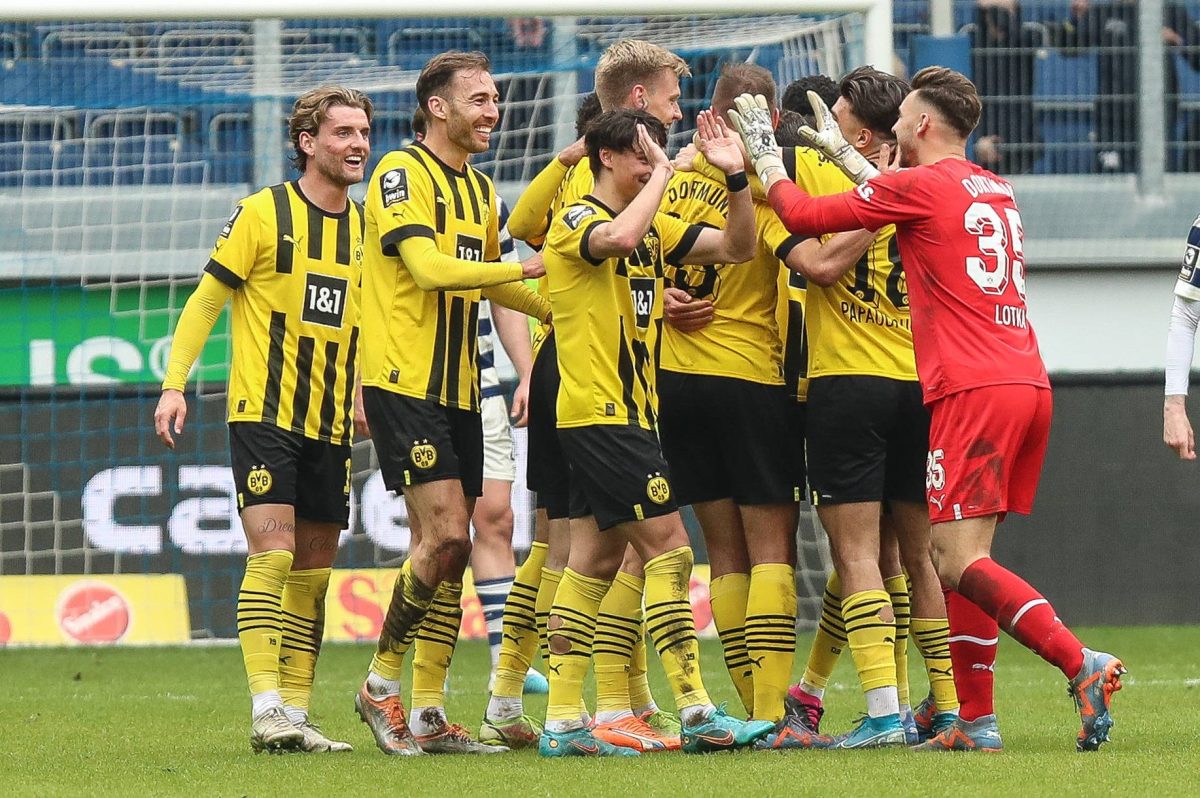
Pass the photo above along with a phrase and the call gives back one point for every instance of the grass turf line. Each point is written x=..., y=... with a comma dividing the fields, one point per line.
x=174, y=721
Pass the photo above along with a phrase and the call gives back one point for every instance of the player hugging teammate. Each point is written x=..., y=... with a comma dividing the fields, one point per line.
x=697, y=327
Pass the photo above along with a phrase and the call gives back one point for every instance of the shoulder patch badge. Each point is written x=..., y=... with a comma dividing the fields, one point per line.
x=574, y=216
x=393, y=186
x=228, y=228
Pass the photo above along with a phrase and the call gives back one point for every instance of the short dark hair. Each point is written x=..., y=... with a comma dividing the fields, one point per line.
x=738, y=79
x=874, y=97
x=617, y=131
x=311, y=109
x=952, y=94
x=787, y=134
x=440, y=71
x=795, y=96
x=589, y=109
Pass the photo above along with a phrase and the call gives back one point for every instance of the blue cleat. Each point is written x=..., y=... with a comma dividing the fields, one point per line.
x=721, y=732
x=793, y=734
x=536, y=683
x=912, y=735
x=981, y=734
x=882, y=732
x=1092, y=691
x=929, y=721
x=578, y=742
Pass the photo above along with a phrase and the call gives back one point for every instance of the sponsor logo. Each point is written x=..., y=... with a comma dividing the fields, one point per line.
x=93, y=612
x=469, y=248
x=423, y=455
x=295, y=241
x=658, y=490
x=324, y=300
x=575, y=215
x=228, y=228
x=394, y=187
x=259, y=480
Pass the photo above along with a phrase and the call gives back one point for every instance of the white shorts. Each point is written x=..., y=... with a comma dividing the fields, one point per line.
x=498, y=461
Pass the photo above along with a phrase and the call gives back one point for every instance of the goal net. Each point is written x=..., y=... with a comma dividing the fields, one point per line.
x=123, y=146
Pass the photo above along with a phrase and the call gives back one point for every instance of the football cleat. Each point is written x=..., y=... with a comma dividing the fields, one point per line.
x=450, y=738
x=808, y=709
x=911, y=735
x=931, y=722
x=792, y=734
x=519, y=732
x=315, y=741
x=385, y=717
x=635, y=733
x=1092, y=691
x=981, y=734
x=271, y=731
x=536, y=683
x=665, y=723
x=722, y=732
x=886, y=731
x=579, y=742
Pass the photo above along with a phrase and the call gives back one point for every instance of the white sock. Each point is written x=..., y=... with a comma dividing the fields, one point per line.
x=816, y=692
x=505, y=708
x=261, y=702
x=695, y=714
x=297, y=715
x=613, y=716
x=560, y=726
x=427, y=720
x=882, y=701
x=380, y=687
x=492, y=595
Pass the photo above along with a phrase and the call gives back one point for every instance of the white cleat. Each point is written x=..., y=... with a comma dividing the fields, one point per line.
x=272, y=732
x=315, y=741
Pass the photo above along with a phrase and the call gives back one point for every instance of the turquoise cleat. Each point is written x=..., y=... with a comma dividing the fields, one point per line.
x=882, y=732
x=578, y=742
x=536, y=683
x=929, y=721
x=722, y=732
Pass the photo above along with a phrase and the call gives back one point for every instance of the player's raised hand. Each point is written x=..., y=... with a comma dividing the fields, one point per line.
x=751, y=118
x=1177, y=430
x=718, y=146
x=169, y=416
x=686, y=157
x=684, y=312
x=573, y=153
x=655, y=156
x=887, y=160
x=532, y=268
x=828, y=138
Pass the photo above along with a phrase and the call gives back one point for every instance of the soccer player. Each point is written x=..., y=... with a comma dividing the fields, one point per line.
x=432, y=244
x=605, y=257
x=981, y=374
x=629, y=74
x=290, y=258
x=1181, y=341
x=723, y=408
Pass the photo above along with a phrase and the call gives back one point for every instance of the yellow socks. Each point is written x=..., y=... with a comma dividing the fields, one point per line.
x=872, y=637
x=545, y=599
x=303, y=627
x=771, y=635
x=435, y=646
x=571, y=627
x=830, y=638
x=670, y=623
x=933, y=641
x=640, y=697
x=618, y=627
x=897, y=588
x=520, y=640
x=727, y=595
x=410, y=601
x=259, y=617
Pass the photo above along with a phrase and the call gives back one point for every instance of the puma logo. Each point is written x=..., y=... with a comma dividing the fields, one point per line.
x=295, y=242
x=944, y=672
x=756, y=661
x=515, y=638
x=554, y=669
x=285, y=660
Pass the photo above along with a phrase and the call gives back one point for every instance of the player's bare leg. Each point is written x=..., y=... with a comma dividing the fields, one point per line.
x=961, y=553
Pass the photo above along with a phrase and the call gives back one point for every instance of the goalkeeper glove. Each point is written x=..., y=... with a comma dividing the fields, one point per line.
x=752, y=120
x=828, y=139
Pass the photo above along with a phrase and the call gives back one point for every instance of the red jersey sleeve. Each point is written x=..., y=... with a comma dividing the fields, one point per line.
x=806, y=215
x=891, y=198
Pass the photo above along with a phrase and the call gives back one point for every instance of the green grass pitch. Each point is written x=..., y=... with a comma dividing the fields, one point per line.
x=174, y=721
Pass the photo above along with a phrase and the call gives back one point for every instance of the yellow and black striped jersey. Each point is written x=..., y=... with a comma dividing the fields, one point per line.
x=789, y=315
x=607, y=315
x=861, y=324
x=297, y=275
x=743, y=340
x=422, y=343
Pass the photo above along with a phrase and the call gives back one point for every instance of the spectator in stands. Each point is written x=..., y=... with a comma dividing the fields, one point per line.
x=1112, y=29
x=1002, y=51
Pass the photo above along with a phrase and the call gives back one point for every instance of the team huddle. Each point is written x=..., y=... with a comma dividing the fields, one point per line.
x=825, y=304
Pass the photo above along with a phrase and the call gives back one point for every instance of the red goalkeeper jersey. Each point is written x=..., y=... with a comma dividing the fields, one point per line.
x=960, y=238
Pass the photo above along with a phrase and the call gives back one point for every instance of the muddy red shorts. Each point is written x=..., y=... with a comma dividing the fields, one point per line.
x=986, y=448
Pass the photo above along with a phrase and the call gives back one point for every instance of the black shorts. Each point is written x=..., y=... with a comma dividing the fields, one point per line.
x=618, y=474
x=277, y=466
x=546, y=470
x=726, y=438
x=867, y=440
x=420, y=441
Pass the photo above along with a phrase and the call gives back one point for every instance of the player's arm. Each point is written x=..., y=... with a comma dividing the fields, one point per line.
x=736, y=242
x=516, y=296
x=1181, y=341
x=530, y=218
x=513, y=332
x=435, y=271
x=824, y=263
x=195, y=325
x=621, y=236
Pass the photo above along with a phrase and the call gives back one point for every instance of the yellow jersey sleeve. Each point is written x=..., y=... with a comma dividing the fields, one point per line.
x=677, y=237
x=406, y=204
x=237, y=246
x=530, y=217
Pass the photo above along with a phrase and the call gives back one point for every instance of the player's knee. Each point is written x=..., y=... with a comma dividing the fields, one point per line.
x=948, y=568
x=452, y=554
x=494, y=523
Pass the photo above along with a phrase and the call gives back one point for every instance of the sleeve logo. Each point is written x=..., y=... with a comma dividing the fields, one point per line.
x=575, y=215
x=394, y=187
x=228, y=228
x=324, y=300
x=1189, y=263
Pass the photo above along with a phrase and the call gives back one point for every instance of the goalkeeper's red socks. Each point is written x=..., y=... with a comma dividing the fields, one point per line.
x=973, y=638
